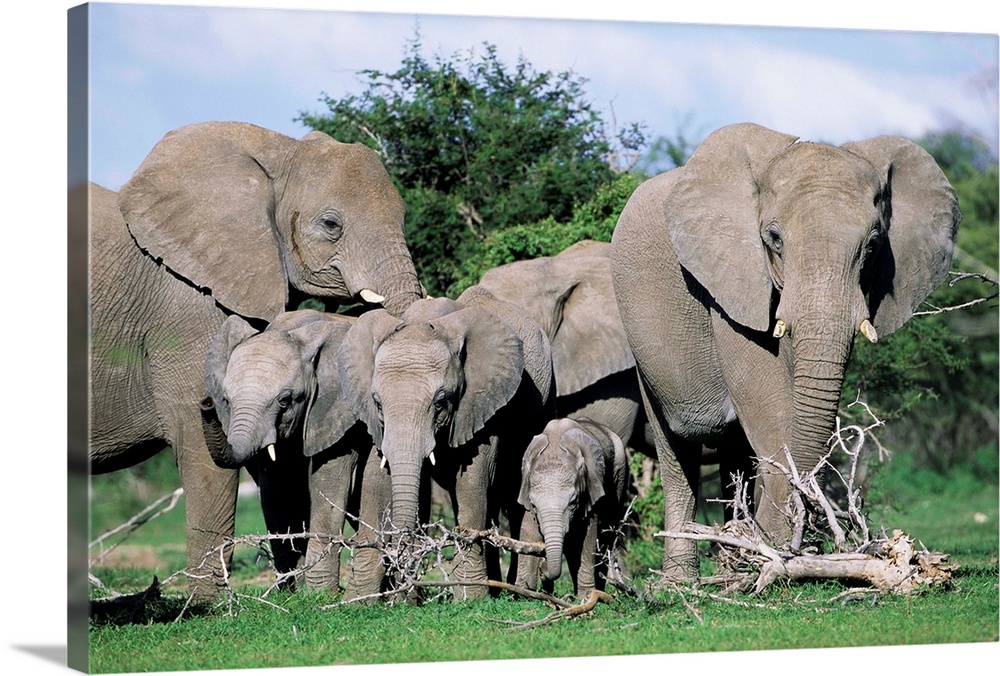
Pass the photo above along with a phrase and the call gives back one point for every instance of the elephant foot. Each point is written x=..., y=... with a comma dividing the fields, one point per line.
x=323, y=567
x=528, y=571
x=471, y=592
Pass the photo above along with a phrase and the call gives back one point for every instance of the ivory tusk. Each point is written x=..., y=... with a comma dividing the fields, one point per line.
x=431, y=458
x=780, y=327
x=370, y=296
x=270, y=452
x=384, y=460
x=868, y=331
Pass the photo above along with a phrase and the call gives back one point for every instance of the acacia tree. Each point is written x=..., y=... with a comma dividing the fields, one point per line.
x=475, y=146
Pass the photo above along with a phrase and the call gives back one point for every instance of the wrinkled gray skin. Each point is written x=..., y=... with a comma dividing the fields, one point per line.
x=572, y=298
x=280, y=388
x=573, y=481
x=754, y=230
x=222, y=218
x=453, y=391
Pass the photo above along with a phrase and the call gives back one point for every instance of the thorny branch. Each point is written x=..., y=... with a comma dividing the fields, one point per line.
x=957, y=277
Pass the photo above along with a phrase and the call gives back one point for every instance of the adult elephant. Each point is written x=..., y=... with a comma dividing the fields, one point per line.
x=742, y=280
x=453, y=391
x=222, y=218
x=279, y=389
x=572, y=298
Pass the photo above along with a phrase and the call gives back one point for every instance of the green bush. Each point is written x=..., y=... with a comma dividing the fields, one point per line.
x=475, y=146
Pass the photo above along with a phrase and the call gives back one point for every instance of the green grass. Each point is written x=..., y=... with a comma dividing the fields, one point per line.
x=293, y=629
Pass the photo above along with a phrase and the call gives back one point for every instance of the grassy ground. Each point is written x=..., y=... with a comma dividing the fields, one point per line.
x=957, y=515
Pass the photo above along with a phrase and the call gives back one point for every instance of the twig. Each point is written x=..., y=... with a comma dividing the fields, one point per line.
x=959, y=276
x=130, y=526
x=593, y=598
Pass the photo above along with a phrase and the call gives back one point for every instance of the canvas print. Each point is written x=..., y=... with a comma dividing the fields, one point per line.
x=416, y=338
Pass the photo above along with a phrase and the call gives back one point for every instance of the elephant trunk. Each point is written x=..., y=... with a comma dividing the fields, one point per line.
x=821, y=352
x=400, y=282
x=551, y=524
x=244, y=437
x=392, y=277
x=215, y=436
x=405, y=478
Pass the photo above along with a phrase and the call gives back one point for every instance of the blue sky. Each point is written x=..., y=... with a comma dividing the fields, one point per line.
x=155, y=67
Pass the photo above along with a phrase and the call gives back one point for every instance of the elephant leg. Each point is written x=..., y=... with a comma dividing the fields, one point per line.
x=210, y=511
x=528, y=566
x=680, y=473
x=284, y=499
x=329, y=491
x=759, y=379
x=581, y=558
x=472, y=490
x=374, y=490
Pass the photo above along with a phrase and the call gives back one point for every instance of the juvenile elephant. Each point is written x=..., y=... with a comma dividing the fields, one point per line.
x=453, y=390
x=572, y=298
x=742, y=279
x=279, y=390
x=573, y=481
x=222, y=218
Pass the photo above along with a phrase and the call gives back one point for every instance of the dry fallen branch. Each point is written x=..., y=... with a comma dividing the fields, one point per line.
x=889, y=564
x=593, y=598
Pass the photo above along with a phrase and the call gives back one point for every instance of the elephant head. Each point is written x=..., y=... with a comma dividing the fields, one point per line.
x=426, y=384
x=278, y=387
x=812, y=243
x=243, y=213
x=564, y=474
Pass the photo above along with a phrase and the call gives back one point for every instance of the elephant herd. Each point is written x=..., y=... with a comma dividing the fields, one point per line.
x=721, y=314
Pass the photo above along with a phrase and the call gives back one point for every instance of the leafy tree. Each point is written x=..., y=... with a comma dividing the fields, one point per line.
x=475, y=147
x=594, y=219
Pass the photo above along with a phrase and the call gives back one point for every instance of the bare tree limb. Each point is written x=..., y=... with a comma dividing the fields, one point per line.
x=593, y=598
x=130, y=526
x=957, y=277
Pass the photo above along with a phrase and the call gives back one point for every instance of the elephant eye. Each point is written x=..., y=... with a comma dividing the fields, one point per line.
x=378, y=405
x=285, y=399
x=874, y=241
x=332, y=226
x=772, y=237
x=440, y=401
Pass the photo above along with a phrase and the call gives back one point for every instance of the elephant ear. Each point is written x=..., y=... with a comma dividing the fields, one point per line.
x=538, y=444
x=712, y=215
x=492, y=363
x=232, y=332
x=535, y=346
x=356, y=365
x=922, y=226
x=593, y=462
x=328, y=416
x=202, y=202
x=590, y=343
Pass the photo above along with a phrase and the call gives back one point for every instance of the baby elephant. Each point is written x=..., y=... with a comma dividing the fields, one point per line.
x=573, y=479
